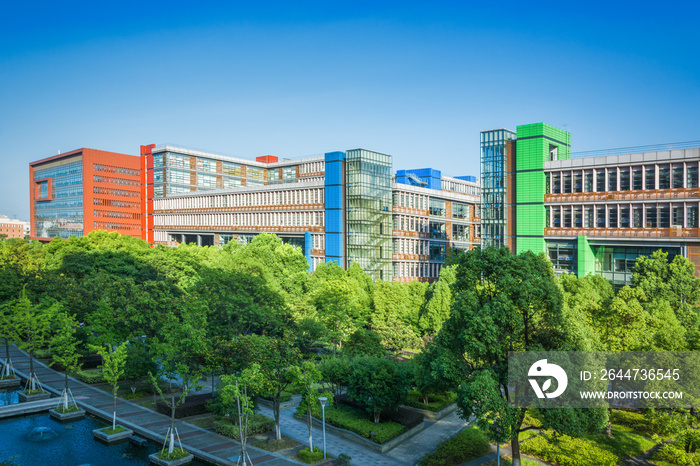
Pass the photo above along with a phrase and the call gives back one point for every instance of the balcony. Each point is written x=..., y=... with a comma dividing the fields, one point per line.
x=642, y=194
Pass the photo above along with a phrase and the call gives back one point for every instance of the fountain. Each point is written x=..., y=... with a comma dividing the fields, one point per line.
x=42, y=434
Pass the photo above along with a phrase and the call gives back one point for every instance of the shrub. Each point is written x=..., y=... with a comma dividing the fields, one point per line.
x=336, y=372
x=309, y=457
x=470, y=443
x=436, y=402
x=257, y=424
x=364, y=343
x=89, y=375
x=71, y=409
x=193, y=405
x=568, y=451
x=634, y=421
x=675, y=454
x=109, y=431
x=177, y=454
x=42, y=353
x=343, y=460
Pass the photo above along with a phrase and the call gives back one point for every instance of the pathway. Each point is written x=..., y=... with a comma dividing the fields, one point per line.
x=427, y=440
x=203, y=444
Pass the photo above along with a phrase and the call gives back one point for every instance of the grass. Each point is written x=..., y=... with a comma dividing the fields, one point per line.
x=276, y=445
x=357, y=421
x=150, y=404
x=436, y=402
x=203, y=422
x=469, y=444
x=135, y=396
x=508, y=461
x=176, y=454
x=71, y=409
x=33, y=392
x=109, y=431
x=622, y=443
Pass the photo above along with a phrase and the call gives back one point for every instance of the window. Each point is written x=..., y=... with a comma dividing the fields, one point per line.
x=567, y=217
x=437, y=207
x=578, y=182
x=600, y=214
x=677, y=175
x=637, y=216
x=650, y=178
x=692, y=217
x=460, y=211
x=230, y=168
x=677, y=215
x=637, y=178
x=624, y=216
x=664, y=177
x=556, y=215
x=437, y=230
x=612, y=179
x=612, y=216
x=556, y=183
x=588, y=182
x=692, y=175
x=624, y=179
x=651, y=216
x=588, y=220
x=600, y=181
x=664, y=213
x=567, y=182
x=578, y=217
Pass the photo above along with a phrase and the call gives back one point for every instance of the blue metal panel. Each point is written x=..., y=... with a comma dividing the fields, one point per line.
x=308, y=242
x=334, y=221
x=423, y=177
x=334, y=197
x=334, y=156
x=335, y=206
x=467, y=178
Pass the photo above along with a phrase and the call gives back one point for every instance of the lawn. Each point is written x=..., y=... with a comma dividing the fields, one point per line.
x=467, y=445
x=435, y=402
x=357, y=421
x=276, y=445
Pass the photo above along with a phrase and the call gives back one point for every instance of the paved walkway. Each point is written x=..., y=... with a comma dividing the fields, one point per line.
x=427, y=440
x=203, y=444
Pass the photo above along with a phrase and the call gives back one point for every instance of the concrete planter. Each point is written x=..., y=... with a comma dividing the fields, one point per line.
x=434, y=415
x=100, y=435
x=10, y=383
x=67, y=416
x=155, y=460
x=39, y=396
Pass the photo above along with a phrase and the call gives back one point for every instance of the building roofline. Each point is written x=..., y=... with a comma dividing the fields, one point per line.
x=57, y=157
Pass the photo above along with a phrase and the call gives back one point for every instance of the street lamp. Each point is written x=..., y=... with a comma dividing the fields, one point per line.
x=323, y=401
x=143, y=341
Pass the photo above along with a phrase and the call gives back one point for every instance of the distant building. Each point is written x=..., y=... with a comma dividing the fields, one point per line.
x=12, y=228
x=595, y=212
x=84, y=190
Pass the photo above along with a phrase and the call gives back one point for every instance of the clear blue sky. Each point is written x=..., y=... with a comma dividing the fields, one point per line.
x=417, y=80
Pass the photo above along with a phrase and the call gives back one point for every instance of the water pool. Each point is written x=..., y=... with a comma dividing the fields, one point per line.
x=9, y=396
x=38, y=439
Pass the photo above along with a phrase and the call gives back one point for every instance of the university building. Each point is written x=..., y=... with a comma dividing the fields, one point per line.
x=12, y=228
x=83, y=190
x=342, y=206
x=595, y=212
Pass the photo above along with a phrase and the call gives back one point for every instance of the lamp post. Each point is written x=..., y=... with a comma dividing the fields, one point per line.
x=143, y=341
x=323, y=401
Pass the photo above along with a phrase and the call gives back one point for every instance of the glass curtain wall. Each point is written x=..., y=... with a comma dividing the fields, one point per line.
x=62, y=216
x=369, y=212
x=493, y=186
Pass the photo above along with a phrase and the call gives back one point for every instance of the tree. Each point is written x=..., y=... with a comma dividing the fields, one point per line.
x=139, y=362
x=379, y=384
x=438, y=301
x=503, y=303
x=306, y=376
x=238, y=388
x=64, y=352
x=6, y=331
x=364, y=342
x=31, y=326
x=113, y=368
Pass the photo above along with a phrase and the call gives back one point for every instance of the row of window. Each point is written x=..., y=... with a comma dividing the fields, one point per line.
x=668, y=176
x=416, y=270
x=311, y=167
x=462, y=188
x=663, y=215
x=258, y=199
x=112, y=169
x=116, y=226
x=247, y=219
x=112, y=214
x=116, y=203
x=115, y=192
x=58, y=171
x=117, y=181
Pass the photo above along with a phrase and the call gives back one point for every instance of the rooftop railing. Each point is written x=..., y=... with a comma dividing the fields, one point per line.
x=637, y=149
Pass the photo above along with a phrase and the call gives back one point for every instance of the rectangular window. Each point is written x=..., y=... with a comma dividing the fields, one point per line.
x=637, y=216
x=460, y=211
x=578, y=182
x=437, y=230
x=556, y=183
x=664, y=177
x=254, y=173
x=600, y=181
x=637, y=178
x=567, y=182
x=588, y=220
x=651, y=216
x=567, y=217
x=677, y=175
x=289, y=173
x=578, y=217
x=650, y=178
x=206, y=165
x=624, y=216
x=677, y=215
x=612, y=216
x=612, y=179
x=692, y=175
x=556, y=215
x=692, y=217
x=664, y=213
x=230, y=168
x=437, y=207
x=588, y=182
x=600, y=217
x=624, y=179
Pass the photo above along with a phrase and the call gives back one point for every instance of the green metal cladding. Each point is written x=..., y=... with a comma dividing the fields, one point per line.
x=586, y=257
x=534, y=145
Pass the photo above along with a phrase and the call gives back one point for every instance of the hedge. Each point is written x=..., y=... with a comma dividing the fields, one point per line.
x=308, y=456
x=568, y=451
x=193, y=405
x=436, y=402
x=467, y=445
x=89, y=375
x=634, y=421
x=257, y=424
x=676, y=454
x=355, y=420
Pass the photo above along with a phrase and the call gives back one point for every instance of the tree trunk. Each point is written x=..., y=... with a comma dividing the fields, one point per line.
x=276, y=412
x=377, y=414
x=311, y=442
x=114, y=418
x=6, y=372
x=65, y=393
x=515, y=450
x=171, y=447
x=32, y=382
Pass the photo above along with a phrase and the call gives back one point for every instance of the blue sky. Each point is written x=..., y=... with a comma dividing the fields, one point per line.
x=417, y=80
